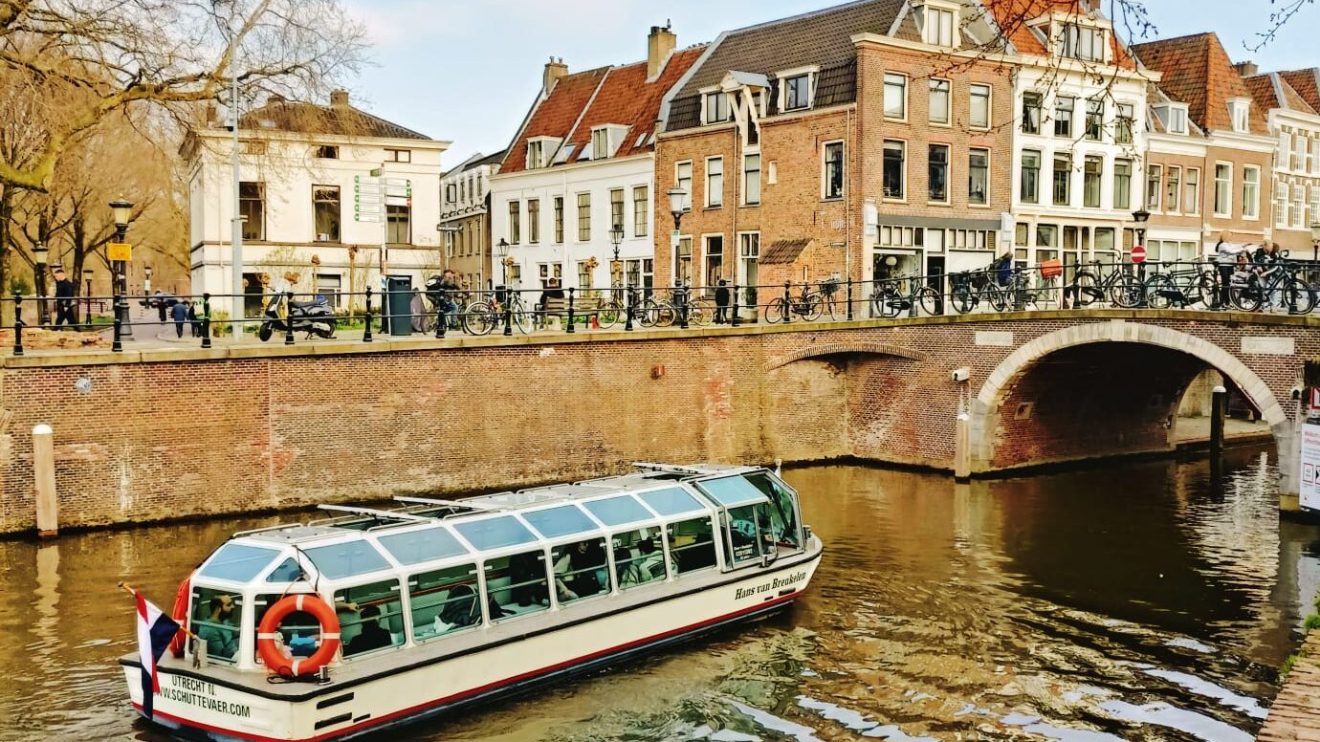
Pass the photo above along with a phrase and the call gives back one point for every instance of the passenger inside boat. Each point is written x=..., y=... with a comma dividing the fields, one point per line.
x=581, y=570
x=218, y=626
x=371, y=635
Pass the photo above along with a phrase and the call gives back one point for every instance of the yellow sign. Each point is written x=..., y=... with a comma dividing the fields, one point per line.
x=119, y=251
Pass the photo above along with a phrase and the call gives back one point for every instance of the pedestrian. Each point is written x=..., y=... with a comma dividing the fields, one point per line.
x=723, y=298
x=64, y=301
x=417, y=309
x=194, y=320
x=1225, y=257
x=160, y=305
x=180, y=314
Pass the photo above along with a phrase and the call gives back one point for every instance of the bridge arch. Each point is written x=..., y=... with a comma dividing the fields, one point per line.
x=857, y=348
x=986, y=413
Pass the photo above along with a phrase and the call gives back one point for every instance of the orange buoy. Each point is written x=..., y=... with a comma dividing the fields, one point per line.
x=180, y=616
x=269, y=651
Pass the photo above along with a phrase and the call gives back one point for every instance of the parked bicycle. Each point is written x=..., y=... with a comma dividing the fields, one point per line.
x=1277, y=286
x=1119, y=286
x=808, y=306
x=894, y=296
x=1182, y=286
x=969, y=289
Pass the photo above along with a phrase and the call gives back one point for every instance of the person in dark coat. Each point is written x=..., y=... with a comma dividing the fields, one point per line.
x=194, y=320
x=160, y=306
x=64, y=301
x=723, y=298
x=179, y=312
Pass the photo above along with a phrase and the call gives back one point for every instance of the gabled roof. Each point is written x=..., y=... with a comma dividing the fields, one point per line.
x=609, y=95
x=340, y=119
x=1013, y=17
x=784, y=252
x=1196, y=70
x=1271, y=91
x=1306, y=83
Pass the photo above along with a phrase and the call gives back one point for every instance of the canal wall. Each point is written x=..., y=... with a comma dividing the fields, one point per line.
x=168, y=434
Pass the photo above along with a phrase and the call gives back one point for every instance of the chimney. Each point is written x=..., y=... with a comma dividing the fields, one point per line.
x=659, y=45
x=1247, y=69
x=339, y=98
x=555, y=69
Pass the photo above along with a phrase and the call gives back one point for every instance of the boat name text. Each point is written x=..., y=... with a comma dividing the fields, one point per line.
x=775, y=584
x=201, y=694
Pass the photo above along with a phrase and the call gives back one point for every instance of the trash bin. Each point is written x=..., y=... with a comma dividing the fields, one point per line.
x=399, y=305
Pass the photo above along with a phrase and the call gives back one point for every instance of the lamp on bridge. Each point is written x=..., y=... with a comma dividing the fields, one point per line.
x=1141, y=217
x=122, y=210
x=39, y=255
x=1315, y=242
x=88, y=275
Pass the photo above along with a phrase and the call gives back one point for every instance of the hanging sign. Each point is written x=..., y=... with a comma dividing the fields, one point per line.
x=1310, y=489
x=119, y=251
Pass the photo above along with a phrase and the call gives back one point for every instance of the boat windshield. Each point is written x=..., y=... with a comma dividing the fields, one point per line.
x=672, y=502
x=348, y=559
x=733, y=492
x=238, y=562
x=427, y=545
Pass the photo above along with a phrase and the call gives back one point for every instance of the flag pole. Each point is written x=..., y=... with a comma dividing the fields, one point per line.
x=133, y=591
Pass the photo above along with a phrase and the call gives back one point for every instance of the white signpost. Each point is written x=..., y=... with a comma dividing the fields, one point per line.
x=1310, y=494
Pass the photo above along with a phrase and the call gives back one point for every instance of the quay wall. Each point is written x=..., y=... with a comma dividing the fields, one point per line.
x=158, y=435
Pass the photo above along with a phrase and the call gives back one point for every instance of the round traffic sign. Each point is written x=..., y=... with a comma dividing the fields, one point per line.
x=1139, y=254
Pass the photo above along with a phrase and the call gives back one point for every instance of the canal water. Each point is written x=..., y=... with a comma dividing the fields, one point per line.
x=1140, y=602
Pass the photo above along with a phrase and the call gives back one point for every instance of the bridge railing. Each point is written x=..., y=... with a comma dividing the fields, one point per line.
x=287, y=316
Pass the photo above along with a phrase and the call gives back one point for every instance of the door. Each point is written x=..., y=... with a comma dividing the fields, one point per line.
x=935, y=272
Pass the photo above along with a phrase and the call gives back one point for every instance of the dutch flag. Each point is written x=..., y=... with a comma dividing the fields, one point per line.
x=155, y=630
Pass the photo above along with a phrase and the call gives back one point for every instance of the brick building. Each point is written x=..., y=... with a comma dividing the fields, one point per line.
x=1292, y=103
x=1211, y=153
x=465, y=218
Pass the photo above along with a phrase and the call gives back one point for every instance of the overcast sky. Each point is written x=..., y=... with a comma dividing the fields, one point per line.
x=467, y=70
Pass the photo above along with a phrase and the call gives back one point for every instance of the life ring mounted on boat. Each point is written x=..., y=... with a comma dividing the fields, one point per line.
x=276, y=660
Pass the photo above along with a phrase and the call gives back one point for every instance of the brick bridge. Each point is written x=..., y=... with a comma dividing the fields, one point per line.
x=181, y=433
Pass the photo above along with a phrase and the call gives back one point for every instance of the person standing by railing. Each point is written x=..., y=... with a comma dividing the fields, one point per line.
x=1226, y=260
x=64, y=301
x=1268, y=259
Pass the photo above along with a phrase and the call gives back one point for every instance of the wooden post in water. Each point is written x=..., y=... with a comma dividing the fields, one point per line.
x=962, y=456
x=1218, y=411
x=43, y=469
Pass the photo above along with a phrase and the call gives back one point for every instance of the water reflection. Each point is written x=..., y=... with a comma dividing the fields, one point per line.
x=1145, y=602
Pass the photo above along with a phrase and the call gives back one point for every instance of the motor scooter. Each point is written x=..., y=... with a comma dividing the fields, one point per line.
x=316, y=318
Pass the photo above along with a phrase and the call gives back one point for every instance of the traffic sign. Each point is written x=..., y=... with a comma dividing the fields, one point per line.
x=119, y=251
x=1315, y=400
x=1139, y=254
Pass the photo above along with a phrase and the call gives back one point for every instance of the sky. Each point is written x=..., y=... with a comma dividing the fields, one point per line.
x=467, y=71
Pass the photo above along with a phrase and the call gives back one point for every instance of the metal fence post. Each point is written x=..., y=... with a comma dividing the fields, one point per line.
x=508, y=312
x=441, y=319
x=118, y=345
x=570, y=311
x=788, y=302
x=206, y=320
x=630, y=302
x=18, y=325
x=734, y=321
x=848, y=290
x=683, y=308
x=288, y=318
x=366, y=336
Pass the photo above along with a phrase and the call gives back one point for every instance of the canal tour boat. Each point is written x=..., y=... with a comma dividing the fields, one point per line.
x=376, y=618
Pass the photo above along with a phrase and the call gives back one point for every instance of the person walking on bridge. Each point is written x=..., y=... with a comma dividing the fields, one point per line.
x=1226, y=260
x=179, y=313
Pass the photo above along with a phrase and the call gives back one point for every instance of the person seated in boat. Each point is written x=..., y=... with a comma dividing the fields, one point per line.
x=527, y=577
x=219, y=631
x=576, y=571
x=372, y=636
x=647, y=567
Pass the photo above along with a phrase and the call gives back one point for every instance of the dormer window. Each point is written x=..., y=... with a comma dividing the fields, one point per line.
x=535, y=155
x=1238, y=108
x=605, y=141
x=941, y=24
x=1086, y=43
x=716, y=107
x=1173, y=116
x=796, y=89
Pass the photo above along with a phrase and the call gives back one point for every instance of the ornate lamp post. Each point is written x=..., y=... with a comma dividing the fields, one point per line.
x=1315, y=243
x=39, y=255
x=616, y=265
x=678, y=206
x=88, y=275
x=122, y=211
x=1141, y=217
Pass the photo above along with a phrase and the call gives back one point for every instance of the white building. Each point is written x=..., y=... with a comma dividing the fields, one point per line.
x=465, y=218
x=582, y=165
x=300, y=166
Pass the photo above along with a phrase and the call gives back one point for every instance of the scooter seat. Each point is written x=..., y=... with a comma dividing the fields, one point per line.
x=308, y=304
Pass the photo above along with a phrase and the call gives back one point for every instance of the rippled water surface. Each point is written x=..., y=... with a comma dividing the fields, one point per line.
x=1142, y=602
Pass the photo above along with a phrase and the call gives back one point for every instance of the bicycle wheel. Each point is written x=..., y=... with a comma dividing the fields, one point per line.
x=479, y=319
x=522, y=320
x=777, y=311
x=609, y=315
x=829, y=307
x=665, y=314
x=811, y=308
x=1160, y=292
x=1298, y=297
x=963, y=301
x=996, y=297
x=701, y=313
x=1086, y=289
x=1247, y=297
x=878, y=303
x=1202, y=290
x=1127, y=291
x=891, y=304
x=930, y=302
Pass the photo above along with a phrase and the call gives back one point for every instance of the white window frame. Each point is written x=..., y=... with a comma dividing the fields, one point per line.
x=824, y=170
x=1176, y=207
x=1153, y=206
x=989, y=171
x=1251, y=206
x=906, y=161
x=1168, y=113
x=597, y=135
x=781, y=79
x=1281, y=204
x=954, y=29
x=705, y=107
x=885, y=93
x=948, y=173
x=948, y=102
x=1228, y=212
x=1297, y=215
x=678, y=181
x=760, y=174
x=1187, y=182
x=989, y=106
x=711, y=194
x=1239, y=111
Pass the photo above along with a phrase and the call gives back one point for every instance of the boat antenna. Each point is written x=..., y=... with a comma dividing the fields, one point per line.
x=779, y=467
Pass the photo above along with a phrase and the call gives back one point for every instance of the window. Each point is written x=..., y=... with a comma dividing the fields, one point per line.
x=518, y=585
x=683, y=263
x=980, y=106
x=584, y=217
x=1192, y=191
x=515, y=222
x=325, y=204
x=1154, y=177
x=939, y=172
x=1093, y=171
x=378, y=623
x=1124, y=123
x=1250, y=192
x=327, y=152
x=1280, y=204
x=717, y=108
x=1223, y=189
x=559, y=220
x=895, y=96
x=1032, y=103
x=398, y=225
x=714, y=260
x=1122, y=184
x=547, y=271
x=714, y=182
x=752, y=180
x=641, y=210
x=1285, y=143
x=221, y=635
x=252, y=207
x=1173, y=117
x=1172, y=187
x=398, y=155
x=1315, y=203
x=1299, y=151
x=939, y=26
x=581, y=570
x=600, y=144
x=639, y=558
x=584, y=275
x=797, y=92
x=833, y=170
x=534, y=221
x=1095, y=119
x=535, y=155
x=1297, y=214
x=978, y=177
x=939, y=101
x=329, y=285
x=894, y=176
x=1238, y=109
x=444, y=602
x=1062, y=179
x=1082, y=42
x=451, y=194
x=1030, y=192
x=692, y=545
x=1063, y=116
x=683, y=181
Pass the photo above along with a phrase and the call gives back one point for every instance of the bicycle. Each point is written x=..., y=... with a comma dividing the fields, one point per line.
x=482, y=317
x=971, y=288
x=893, y=296
x=1123, y=289
x=1259, y=285
x=1179, y=288
x=783, y=309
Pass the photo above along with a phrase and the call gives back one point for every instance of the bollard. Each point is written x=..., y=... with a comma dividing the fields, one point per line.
x=683, y=309
x=43, y=469
x=508, y=312
x=441, y=319
x=18, y=325
x=788, y=302
x=570, y=311
x=962, y=447
x=206, y=321
x=366, y=336
x=734, y=321
x=118, y=345
x=850, y=299
x=628, y=325
x=288, y=318
x=1219, y=409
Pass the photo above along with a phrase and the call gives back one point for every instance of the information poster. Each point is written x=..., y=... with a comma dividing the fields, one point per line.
x=1310, y=467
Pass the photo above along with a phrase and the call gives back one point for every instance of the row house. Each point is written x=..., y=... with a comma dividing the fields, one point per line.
x=1292, y=104
x=465, y=219
x=300, y=165
x=576, y=188
x=1210, y=155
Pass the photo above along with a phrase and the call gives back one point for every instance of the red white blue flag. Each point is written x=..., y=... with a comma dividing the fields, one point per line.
x=155, y=630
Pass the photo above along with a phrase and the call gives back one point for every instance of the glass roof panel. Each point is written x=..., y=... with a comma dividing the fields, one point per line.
x=619, y=511
x=566, y=520
x=495, y=533
x=429, y=545
x=356, y=557
x=670, y=502
x=238, y=562
x=732, y=492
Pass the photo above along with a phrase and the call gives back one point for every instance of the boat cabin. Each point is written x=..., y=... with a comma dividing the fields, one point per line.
x=433, y=569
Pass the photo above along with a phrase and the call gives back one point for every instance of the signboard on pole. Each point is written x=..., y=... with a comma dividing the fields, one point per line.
x=1310, y=489
x=1139, y=254
x=368, y=200
x=119, y=251
x=1315, y=400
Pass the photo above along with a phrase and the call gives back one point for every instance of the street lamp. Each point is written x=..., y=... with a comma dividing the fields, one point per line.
x=146, y=279
x=502, y=252
x=122, y=211
x=1141, y=217
x=88, y=275
x=1315, y=243
x=678, y=206
x=39, y=254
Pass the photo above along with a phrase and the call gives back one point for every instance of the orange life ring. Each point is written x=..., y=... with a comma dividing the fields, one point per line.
x=180, y=616
x=270, y=653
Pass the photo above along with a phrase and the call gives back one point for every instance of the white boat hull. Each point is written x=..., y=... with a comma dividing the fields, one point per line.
x=198, y=707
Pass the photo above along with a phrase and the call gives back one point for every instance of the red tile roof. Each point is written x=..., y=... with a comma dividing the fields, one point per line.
x=1272, y=91
x=1306, y=83
x=1196, y=70
x=609, y=95
x=1012, y=17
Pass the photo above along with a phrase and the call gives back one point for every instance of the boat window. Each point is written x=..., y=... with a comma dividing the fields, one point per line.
x=558, y=522
x=784, y=520
x=215, y=620
x=517, y=585
x=300, y=631
x=370, y=617
x=444, y=602
x=639, y=558
x=749, y=530
x=581, y=570
x=732, y=492
x=672, y=502
x=692, y=545
x=238, y=562
x=619, y=511
x=495, y=533
x=416, y=547
x=288, y=571
x=349, y=559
